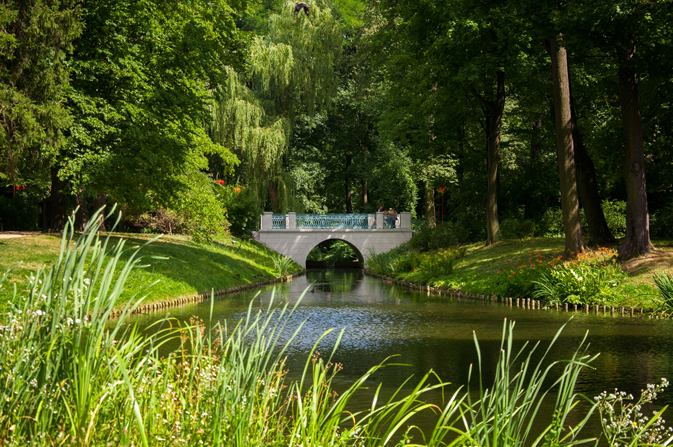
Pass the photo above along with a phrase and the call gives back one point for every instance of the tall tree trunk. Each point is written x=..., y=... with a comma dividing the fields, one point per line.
x=494, y=111
x=637, y=240
x=273, y=198
x=57, y=217
x=82, y=215
x=97, y=205
x=347, y=184
x=587, y=187
x=430, y=215
x=535, y=143
x=565, y=151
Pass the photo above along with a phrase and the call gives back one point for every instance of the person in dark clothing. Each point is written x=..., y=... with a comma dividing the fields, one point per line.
x=299, y=6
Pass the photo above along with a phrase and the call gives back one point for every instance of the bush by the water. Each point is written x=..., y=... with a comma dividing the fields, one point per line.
x=70, y=376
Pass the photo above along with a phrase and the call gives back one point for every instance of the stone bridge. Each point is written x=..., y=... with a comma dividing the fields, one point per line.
x=295, y=235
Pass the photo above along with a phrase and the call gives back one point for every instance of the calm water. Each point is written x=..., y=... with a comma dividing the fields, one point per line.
x=381, y=320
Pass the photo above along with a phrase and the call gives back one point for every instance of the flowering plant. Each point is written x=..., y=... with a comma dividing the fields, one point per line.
x=623, y=422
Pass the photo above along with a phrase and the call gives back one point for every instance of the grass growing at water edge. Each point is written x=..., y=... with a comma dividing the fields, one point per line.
x=67, y=377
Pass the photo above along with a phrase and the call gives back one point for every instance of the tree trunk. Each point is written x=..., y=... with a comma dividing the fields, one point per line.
x=637, y=240
x=56, y=202
x=587, y=187
x=493, y=125
x=273, y=198
x=365, y=184
x=535, y=144
x=430, y=218
x=82, y=215
x=565, y=151
x=97, y=205
x=349, y=198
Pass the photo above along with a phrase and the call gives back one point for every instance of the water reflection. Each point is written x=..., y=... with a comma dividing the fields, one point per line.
x=381, y=320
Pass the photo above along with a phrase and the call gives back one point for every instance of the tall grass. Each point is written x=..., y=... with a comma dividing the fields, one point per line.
x=68, y=376
x=282, y=264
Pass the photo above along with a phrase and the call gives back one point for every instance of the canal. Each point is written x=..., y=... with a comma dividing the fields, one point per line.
x=424, y=332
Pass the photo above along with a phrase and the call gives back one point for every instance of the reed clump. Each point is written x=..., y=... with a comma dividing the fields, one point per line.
x=70, y=377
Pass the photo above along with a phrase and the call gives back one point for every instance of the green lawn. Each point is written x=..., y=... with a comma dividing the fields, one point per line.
x=190, y=268
x=472, y=273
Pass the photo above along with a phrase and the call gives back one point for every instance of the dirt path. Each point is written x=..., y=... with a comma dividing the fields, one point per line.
x=659, y=259
x=13, y=234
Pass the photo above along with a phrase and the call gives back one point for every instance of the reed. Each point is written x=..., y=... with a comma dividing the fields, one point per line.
x=282, y=264
x=68, y=376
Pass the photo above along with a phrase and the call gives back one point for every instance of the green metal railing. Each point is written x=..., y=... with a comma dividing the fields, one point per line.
x=278, y=222
x=332, y=221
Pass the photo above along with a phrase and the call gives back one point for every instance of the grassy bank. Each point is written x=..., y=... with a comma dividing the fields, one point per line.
x=178, y=266
x=511, y=268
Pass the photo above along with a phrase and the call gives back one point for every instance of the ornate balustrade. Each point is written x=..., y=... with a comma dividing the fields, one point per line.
x=279, y=221
x=332, y=221
x=294, y=221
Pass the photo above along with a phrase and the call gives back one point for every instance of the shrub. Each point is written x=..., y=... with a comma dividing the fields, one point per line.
x=517, y=277
x=660, y=222
x=517, y=228
x=202, y=212
x=615, y=216
x=445, y=235
x=551, y=223
x=664, y=282
x=589, y=279
x=160, y=221
x=20, y=213
x=282, y=264
x=242, y=208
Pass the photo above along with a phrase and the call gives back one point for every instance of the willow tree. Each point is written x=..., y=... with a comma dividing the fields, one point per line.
x=291, y=71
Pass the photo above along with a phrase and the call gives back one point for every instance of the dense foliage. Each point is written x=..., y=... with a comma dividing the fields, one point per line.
x=445, y=109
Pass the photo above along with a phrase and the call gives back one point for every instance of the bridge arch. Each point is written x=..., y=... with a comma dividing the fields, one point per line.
x=296, y=243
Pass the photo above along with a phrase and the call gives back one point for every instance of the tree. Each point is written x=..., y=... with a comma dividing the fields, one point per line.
x=35, y=41
x=291, y=72
x=565, y=149
x=142, y=88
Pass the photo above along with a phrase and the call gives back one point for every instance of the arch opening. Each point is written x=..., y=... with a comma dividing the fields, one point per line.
x=335, y=253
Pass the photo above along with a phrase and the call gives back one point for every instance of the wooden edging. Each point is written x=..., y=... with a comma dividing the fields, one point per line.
x=525, y=303
x=154, y=307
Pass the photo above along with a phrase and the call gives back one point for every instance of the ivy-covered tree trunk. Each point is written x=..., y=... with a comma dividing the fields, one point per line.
x=430, y=218
x=565, y=150
x=494, y=112
x=587, y=187
x=637, y=240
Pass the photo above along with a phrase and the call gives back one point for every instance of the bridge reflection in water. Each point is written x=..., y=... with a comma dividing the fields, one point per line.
x=294, y=235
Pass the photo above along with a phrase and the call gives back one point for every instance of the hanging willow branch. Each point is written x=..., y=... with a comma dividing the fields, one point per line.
x=290, y=71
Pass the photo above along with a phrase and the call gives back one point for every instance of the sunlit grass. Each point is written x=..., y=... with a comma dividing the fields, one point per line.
x=179, y=266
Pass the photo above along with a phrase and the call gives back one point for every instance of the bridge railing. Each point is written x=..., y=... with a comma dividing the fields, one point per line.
x=294, y=221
